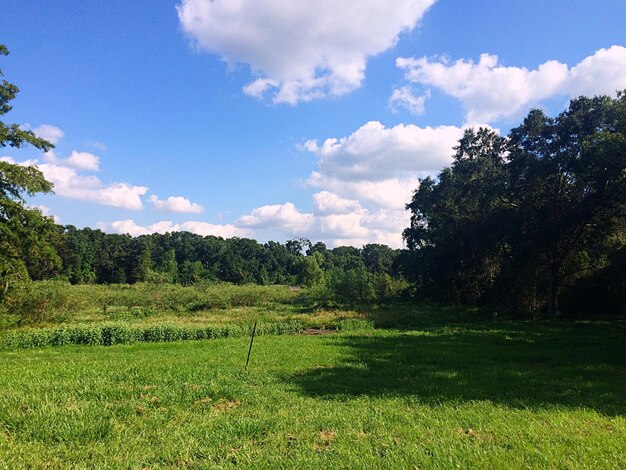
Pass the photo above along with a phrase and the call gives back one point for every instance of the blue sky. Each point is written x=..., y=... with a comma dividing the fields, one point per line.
x=282, y=118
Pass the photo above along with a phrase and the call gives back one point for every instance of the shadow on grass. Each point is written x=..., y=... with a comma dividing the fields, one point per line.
x=519, y=365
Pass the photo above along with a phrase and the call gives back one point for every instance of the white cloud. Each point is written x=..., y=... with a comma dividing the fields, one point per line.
x=69, y=183
x=49, y=132
x=64, y=174
x=12, y=161
x=95, y=144
x=225, y=231
x=201, y=228
x=299, y=50
x=392, y=193
x=283, y=216
x=490, y=91
x=83, y=161
x=176, y=204
x=602, y=73
x=365, y=180
x=376, y=153
x=325, y=203
x=356, y=227
x=78, y=160
x=405, y=97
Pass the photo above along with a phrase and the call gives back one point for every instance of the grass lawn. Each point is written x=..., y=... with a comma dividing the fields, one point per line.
x=491, y=395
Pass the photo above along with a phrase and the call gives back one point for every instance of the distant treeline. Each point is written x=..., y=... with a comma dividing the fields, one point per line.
x=88, y=256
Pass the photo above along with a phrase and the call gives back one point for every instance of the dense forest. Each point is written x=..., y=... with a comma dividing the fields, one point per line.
x=91, y=256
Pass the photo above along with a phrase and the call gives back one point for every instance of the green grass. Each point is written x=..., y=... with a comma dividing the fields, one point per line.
x=479, y=395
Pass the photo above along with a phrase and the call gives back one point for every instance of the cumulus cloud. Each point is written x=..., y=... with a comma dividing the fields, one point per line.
x=326, y=203
x=79, y=160
x=286, y=216
x=299, y=50
x=69, y=178
x=490, y=91
x=49, y=132
x=351, y=224
x=201, y=228
x=375, y=153
x=83, y=161
x=69, y=183
x=176, y=204
x=599, y=74
x=405, y=97
x=365, y=180
x=392, y=193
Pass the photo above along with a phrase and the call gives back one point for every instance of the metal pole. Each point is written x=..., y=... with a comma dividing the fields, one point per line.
x=251, y=340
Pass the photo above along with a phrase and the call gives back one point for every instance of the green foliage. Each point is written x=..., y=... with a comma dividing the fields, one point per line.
x=602, y=290
x=309, y=270
x=25, y=234
x=11, y=134
x=513, y=221
x=191, y=272
x=111, y=334
x=42, y=302
x=356, y=287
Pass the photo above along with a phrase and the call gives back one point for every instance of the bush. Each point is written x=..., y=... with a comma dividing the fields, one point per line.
x=40, y=302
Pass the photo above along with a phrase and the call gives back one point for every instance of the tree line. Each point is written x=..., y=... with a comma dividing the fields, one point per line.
x=92, y=256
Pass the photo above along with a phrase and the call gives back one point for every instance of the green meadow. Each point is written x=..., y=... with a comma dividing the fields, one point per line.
x=452, y=393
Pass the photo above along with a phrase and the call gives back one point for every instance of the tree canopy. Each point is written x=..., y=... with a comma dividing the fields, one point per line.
x=24, y=232
x=515, y=219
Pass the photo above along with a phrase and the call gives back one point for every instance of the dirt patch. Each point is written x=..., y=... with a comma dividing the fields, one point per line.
x=317, y=331
x=226, y=405
x=480, y=436
x=326, y=437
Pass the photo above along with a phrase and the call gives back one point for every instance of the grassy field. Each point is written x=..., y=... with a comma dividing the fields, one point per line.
x=59, y=313
x=475, y=395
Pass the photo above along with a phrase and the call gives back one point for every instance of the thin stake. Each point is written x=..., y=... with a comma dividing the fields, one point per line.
x=251, y=340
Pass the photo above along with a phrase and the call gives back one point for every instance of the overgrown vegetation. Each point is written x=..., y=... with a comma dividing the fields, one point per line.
x=52, y=302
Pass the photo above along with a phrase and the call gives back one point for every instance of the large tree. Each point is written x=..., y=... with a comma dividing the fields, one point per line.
x=24, y=232
x=516, y=219
x=457, y=220
x=568, y=181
